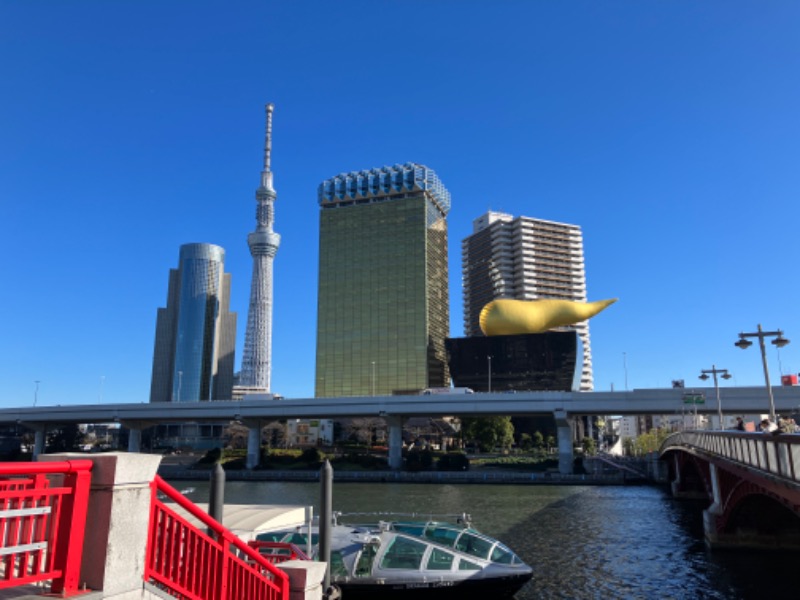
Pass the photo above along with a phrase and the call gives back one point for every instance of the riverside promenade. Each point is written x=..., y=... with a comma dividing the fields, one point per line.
x=598, y=473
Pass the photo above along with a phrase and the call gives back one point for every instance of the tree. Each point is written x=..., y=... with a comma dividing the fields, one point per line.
x=589, y=446
x=489, y=432
x=538, y=440
x=525, y=442
x=365, y=430
x=235, y=435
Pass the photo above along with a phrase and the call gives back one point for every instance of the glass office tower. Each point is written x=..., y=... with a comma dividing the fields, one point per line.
x=196, y=332
x=383, y=306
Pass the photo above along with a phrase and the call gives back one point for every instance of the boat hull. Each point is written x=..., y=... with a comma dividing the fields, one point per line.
x=494, y=588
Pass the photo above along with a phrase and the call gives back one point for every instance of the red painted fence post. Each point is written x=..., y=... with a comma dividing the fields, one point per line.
x=71, y=528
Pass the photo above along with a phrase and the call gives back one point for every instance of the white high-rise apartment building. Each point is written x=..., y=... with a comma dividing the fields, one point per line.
x=525, y=259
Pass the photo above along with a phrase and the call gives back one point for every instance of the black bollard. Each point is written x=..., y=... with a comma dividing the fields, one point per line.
x=325, y=520
x=216, y=494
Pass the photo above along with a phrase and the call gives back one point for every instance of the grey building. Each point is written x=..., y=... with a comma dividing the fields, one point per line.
x=193, y=359
x=524, y=259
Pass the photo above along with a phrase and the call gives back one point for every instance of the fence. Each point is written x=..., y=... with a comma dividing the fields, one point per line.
x=189, y=564
x=43, y=510
x=777, y=455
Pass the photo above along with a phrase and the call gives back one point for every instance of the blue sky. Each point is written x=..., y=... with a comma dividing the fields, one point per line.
x=668, y=130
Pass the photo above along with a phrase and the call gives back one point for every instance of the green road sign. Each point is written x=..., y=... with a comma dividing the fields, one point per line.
x=694, y=399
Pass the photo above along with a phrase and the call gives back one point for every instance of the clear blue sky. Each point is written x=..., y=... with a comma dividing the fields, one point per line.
x=668, y=130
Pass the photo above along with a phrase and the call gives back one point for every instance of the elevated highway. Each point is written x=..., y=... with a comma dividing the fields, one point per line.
x=562, y=405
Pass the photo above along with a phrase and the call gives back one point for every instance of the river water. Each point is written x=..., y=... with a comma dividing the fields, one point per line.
x=584, y=542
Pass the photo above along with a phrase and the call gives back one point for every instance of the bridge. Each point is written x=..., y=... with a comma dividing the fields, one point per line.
x=563, y=406
x=751, y=480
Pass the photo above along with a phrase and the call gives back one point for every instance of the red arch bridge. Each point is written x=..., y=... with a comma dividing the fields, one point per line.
x=751, y=481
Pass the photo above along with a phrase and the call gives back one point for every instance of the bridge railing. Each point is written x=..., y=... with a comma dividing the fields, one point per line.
x=187, y=563
x=43, y=510
x=777, y=455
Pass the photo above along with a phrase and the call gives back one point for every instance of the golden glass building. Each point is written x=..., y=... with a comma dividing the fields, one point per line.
x=383, y=304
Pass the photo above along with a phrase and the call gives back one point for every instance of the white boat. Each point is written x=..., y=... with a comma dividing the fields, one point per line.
x=398, y=557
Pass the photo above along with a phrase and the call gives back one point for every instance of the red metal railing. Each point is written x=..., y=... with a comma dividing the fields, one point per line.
x=42, y=521
x=189, y=564
x=277, y=552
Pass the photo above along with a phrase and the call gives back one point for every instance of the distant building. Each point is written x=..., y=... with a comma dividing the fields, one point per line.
x=383, y=302
x=524, y=259
x=196, y=332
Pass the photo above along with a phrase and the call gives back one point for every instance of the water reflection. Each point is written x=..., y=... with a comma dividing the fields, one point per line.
x=583, y=542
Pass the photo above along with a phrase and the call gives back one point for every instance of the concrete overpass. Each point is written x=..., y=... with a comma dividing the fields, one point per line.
x=561, y=405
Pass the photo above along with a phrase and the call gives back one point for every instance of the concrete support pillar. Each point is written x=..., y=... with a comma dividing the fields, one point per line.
x=395, y=425
x=715, y=510
x=305, y=578
x=253, y=443
x=38, y=440
x=565, y=443
x=119, y=511
x=134, y=440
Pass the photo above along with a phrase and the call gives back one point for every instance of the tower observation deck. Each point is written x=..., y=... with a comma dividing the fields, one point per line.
x=263, y=242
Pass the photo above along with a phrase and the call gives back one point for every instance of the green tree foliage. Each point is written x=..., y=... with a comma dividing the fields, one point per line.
x=489, y=432
x=526, y=442
x=589, y=446
x=647, y=442
x=538, y=440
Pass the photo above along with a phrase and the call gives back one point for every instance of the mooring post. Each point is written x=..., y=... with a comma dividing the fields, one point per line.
x=216, y=495
x=325, y=520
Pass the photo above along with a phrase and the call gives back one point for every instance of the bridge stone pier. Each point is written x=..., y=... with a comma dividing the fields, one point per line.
x=750, y=480
x=564, y=425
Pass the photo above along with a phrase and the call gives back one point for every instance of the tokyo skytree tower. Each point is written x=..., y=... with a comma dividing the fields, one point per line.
x=263, y=242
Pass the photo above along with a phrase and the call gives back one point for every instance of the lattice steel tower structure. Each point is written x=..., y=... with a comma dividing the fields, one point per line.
x=263, y=242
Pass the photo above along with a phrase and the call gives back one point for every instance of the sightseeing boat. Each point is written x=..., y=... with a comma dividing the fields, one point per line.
x=394, y=558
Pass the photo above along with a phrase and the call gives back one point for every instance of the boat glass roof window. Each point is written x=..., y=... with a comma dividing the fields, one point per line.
x=365, y=559
x=271, y=537
x=403, y=553
x=409, y=528
x=338, y=568
x=474, y=545
x=466, y=565
x=446, y=536
x=439, y=560
x=502, y=555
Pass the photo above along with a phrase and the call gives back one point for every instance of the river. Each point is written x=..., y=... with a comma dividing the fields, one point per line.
x=584, y=542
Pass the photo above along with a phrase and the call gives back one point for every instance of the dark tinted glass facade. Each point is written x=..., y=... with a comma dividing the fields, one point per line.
x=529, y=362
x=383, y=311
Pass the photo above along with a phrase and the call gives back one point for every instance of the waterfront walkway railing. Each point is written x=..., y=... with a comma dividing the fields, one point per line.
x=190, y=564
x=43, y=510
x=776, y=455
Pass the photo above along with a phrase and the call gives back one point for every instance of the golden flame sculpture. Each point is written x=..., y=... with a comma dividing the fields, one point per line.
x=514, y=317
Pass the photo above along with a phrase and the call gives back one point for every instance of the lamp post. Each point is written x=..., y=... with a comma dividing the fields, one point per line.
x=779, y=342
x=725, y=375
x=373, y=378
x=489, y=359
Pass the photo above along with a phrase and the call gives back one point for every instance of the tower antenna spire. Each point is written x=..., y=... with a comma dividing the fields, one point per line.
x=268, y=140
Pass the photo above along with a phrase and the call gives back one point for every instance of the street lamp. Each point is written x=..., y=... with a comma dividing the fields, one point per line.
x=489, y=359
x=725, y=375
x=779, y=342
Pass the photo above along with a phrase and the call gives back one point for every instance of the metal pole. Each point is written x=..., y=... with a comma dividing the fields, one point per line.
x=719, y=402
x=325, y=521
x=766, y=373
x=489, y=358
x=216, y=494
